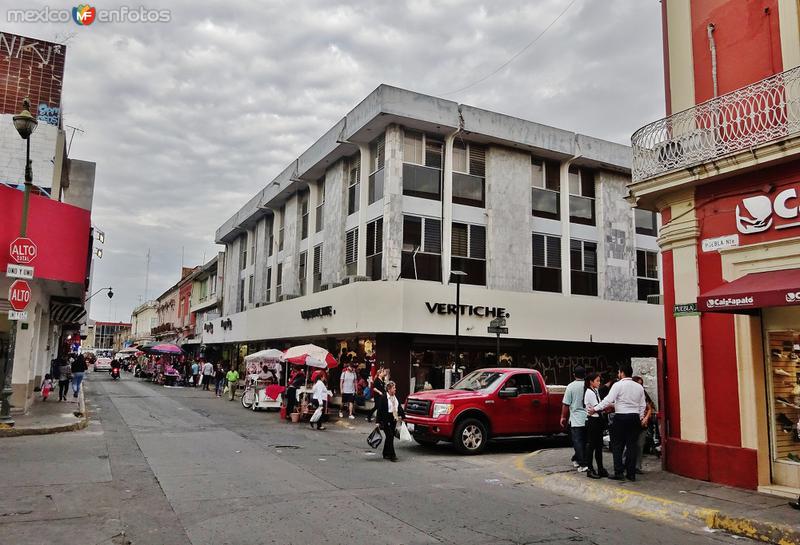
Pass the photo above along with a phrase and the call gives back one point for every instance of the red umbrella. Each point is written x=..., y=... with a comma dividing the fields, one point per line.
x=311, y=355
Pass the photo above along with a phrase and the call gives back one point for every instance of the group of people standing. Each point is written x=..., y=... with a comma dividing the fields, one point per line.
x=64, y=370
x=625, y=410
x=204, y=373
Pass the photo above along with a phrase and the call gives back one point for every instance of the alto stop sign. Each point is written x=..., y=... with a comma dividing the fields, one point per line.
x=19, y=295
x=23, y=250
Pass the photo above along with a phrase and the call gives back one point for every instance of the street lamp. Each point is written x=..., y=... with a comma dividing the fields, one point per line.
x=110, y=293
x=25, y=124
x=458, y=276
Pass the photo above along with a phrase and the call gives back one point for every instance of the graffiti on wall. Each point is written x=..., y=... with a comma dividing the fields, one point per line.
x=48, y=114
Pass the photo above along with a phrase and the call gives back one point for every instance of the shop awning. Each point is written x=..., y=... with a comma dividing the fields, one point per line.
x=62, y=313
x=752, y=292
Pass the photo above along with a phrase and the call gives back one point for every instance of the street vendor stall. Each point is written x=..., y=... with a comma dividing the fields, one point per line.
x=308, y=355
x=262, y=388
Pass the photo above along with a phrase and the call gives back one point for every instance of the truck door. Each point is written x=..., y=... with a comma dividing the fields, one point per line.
x=524, y=414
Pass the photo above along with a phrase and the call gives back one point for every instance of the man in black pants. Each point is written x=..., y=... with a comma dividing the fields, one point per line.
x=297, y=382
x=628, y=400
x=389, y=412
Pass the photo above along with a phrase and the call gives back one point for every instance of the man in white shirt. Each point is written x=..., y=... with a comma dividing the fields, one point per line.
x=628, y=400
x=208, y=374
x=347, y=386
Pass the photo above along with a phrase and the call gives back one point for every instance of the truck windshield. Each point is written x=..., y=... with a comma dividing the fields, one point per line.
x=478, y=380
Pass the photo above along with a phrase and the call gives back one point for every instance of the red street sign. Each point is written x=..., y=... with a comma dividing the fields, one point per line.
x=23, y=250
x=19, y=295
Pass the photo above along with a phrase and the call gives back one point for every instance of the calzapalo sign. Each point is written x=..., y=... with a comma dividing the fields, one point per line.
x=760, y=213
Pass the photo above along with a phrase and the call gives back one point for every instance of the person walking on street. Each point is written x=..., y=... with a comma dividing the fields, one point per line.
x=297, y=381
x=595, y=426
x=233, y=380
x=219, y=376
x=208, y=374
x=319, y=397
x=648, y=415
x=389, y=412
x=195, y=373
x=347, y=386
x=78, y=370
x=378, y=391
x=64, y=374
x=572, y=405
x=627, y=398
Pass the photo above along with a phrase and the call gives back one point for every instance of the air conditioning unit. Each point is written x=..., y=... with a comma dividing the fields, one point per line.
x=347, y=279
x=352, y=279
x=287, y=296
x=655, y=299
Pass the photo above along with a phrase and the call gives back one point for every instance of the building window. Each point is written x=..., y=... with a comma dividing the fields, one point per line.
x=321, y=207
x=469, y=174
x=647, y=274
x=583, y=267
x=422, y=166
x=212, y=282
x=422, y=249
x=304, y=216
x=375, y=249
x=546, y=263
x=253, y=246
x=250, y=289
x=317, y=267
x=243, y=253
x=240, y=297
x=469, y=252
x=268, y=291
x=279, y=281
x=377, y=153
x=301, y=272
x=351, y=252
x=581, y=196
x=353, y=184
x=646, y=223
x=270, y=236
x=282, y=228
x=545, y=188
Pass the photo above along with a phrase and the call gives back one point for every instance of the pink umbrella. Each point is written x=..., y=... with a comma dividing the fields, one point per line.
x=311, y=355
x=164, y=348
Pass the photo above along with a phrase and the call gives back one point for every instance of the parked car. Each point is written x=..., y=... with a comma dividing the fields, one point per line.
x=102, y=364
x=486, y=404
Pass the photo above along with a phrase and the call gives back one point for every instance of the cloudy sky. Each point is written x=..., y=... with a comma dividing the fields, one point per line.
x=188, y=119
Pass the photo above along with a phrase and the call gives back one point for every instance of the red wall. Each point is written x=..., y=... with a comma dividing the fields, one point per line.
x=747, y=38
x=60, y=231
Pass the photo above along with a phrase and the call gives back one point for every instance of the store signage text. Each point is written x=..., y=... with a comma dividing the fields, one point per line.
x=689, y=309
x=23, y=250
x=730, y=301
x=793, y=297
x=467, y=310
x=317, y=312
x=754, y=214
x=720, y=243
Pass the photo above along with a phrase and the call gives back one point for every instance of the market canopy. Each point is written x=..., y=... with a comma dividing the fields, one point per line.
x=269, y=355
x=311, y=355
x=753, y=291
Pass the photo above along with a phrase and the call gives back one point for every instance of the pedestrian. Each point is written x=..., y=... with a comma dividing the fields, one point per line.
x=232, y=377
x=319, y=398
x=78, y=370
x=219, y=376
x=347, y=386
x=627, y=398
x=595, y=426
x=64, y=374
x=47, y=386
x=572, y=405
x=378, y=391
x=648, y=415
x=389, y=412
x=195, y=373
x=208, y=374
x=296, y=382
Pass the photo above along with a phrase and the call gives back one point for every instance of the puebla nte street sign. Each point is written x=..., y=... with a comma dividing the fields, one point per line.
x=19, y=295
x=23, y=250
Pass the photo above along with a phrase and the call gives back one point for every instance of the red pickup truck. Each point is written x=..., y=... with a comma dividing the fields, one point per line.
x=487, y=403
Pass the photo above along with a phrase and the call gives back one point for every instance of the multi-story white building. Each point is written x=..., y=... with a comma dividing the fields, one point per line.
x=353, y=245
x=143, y=319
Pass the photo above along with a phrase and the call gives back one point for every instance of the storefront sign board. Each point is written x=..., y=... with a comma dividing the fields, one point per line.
x=720, y=243
x=689, y=309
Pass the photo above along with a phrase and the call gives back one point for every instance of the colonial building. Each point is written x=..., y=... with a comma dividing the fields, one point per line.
x=723, y=169
x=206, y=296
x=143, y=319
x=356, y=246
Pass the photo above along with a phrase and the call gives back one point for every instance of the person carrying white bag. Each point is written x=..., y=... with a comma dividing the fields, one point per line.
x=319, y=398
x=390, y=411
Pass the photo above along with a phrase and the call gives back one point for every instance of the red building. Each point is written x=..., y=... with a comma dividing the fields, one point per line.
x=723, y=169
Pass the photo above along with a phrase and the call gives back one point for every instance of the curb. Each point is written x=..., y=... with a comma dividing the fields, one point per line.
x=75, y=426
x=656, y=508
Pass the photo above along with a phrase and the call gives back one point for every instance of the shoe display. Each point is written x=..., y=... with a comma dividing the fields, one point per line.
x=793, y=457
x=786, y=402
x=793, y=356
x=778, y=354
x=781, y=372
x=785, y=422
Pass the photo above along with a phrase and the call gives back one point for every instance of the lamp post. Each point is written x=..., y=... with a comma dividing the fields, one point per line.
x=25, y=124
x=458, y=276
x=110, y=293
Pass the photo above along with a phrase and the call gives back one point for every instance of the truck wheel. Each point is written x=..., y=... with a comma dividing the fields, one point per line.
x=426, y=442
x=470, y=436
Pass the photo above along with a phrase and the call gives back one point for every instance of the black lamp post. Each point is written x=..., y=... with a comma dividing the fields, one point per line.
x=458, y=276
x=25, y=124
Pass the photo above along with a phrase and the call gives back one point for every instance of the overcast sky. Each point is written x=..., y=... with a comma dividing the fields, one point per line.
x=188, y=119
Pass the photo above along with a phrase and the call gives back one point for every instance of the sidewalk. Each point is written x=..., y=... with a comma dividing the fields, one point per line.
x=49, y=416
x=669, y=498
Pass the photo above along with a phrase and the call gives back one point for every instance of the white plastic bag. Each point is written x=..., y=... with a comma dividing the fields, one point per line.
x=405, y=435
x=317, y=414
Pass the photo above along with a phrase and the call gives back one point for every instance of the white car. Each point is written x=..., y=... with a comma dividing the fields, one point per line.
x=102, y=364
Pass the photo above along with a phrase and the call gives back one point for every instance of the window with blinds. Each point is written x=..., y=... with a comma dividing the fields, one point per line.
x=583, y=267
x=581, y=196
x=282, y=228
x=268, y=291
x=321, y=207
x=377, y=160
x=304, y=216
x=422, y=248
x=422, y=166
x=301, y=272
x=317, y=267
x=375, y=249
x=546, y=263
x=412, y=147
x=469, y=172
x=647, y=274
x=646, y=223
x=353, y=183
x=468, y=249
x=351, y=252
x=545, y=188
x=269, y=236
x=279, y=281
x=242, y=252
x=251, y=286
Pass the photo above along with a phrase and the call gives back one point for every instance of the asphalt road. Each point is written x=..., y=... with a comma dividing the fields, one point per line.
x=167, y=466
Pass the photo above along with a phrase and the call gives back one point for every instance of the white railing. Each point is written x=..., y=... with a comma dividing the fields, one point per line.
x=759, y=113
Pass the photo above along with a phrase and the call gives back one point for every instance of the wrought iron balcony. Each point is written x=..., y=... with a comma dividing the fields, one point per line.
x=763, y=112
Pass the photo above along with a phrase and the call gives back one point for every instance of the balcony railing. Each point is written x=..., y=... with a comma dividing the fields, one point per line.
x=748, y=117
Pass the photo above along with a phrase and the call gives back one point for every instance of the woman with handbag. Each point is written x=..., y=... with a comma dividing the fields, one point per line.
x=389, y=412
x=319, y=398
x=595, y=426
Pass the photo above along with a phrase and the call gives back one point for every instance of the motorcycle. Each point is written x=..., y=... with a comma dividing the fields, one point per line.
x=115, y=372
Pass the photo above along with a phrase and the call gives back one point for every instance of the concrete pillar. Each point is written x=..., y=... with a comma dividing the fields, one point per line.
x=335, y=218
x=363, y=202
x=566, y=277
x=314, y=195
x=447, y=206
x=277, y=218
x=393, y=203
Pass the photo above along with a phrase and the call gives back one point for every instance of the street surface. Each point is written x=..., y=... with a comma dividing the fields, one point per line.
x=167, y=466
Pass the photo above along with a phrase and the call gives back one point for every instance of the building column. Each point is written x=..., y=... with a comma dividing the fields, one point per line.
x=314, y=193
x=447, y=207
x=563, y=196
x=277, y=216
x=363, y=200
x=393, y=203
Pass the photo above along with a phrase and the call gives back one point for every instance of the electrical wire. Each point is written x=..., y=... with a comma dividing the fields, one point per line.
x=514, y=57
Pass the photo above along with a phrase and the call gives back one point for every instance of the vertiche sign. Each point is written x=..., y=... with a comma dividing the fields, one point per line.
x=467, y=310
x=317, y=312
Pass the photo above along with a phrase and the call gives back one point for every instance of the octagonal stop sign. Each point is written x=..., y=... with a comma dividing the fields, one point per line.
x=23, y=250
x=19, y=295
